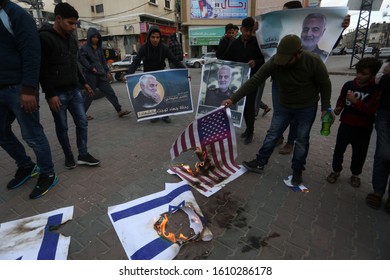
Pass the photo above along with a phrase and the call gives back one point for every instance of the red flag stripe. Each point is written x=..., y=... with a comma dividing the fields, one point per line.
x=215, y=153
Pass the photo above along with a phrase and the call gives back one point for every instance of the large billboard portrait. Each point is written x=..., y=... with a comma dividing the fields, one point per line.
x=220, y=79
x=219, y=9
x=160, y=93
x=318, y=28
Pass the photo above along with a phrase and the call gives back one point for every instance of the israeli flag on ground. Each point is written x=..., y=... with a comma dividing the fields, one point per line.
x=33, y=238
x=134, y=220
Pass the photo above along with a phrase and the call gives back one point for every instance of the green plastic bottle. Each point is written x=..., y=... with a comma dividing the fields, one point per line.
x=327, y=121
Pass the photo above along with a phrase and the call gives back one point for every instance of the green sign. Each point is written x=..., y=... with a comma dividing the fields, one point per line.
x=205, y=36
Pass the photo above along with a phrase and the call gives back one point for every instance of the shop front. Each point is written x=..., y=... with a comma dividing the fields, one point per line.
x=204, y=39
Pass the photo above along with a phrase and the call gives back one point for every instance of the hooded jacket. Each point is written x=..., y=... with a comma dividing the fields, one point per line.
x=175, y=47
x=153, y=57
x=59, y=67
x=91, y=57
x=20, y=54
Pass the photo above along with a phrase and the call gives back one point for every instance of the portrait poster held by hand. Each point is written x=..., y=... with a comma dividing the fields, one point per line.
x=220, y=79
x=160, y=93
x=318, y=28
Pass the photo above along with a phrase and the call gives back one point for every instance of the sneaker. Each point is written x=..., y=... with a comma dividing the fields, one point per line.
x=166, y=119
x=154, y=120
x=87, y=160
x=287, y=149
x=22, y=175
x=332, y=177
x=355, y=181
x=45, y=183
x=296, y=179
x=253, y=166
x=266, y=111
x=244, y=134
x=70, y=162
x=123, y=113
x=248, y=139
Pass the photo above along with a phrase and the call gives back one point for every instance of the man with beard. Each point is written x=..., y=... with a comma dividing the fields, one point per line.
x=313, y=27
x=302, y=79
x=149, y=96
x=215, y=96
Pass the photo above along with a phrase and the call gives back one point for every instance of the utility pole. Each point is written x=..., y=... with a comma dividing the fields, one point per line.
x=36, y=5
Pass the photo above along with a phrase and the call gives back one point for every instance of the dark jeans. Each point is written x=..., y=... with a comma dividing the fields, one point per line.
x=292, y=133
x=304, y=118
x=381, y=171
x=105, y=87
x=359, y=138
x=73, y=101
x=31, y=129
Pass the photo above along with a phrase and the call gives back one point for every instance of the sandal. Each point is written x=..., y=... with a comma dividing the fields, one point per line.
x=123, y=113
x=332, y=177
x=374, y=200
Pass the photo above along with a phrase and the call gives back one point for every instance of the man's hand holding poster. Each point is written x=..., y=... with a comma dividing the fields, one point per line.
x=319, y=29
x=160, y=93
x=220, y=79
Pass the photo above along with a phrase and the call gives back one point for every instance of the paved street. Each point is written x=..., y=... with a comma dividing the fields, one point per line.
x=253, y=217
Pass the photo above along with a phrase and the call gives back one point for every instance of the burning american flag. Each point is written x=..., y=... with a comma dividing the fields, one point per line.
x=213, y=139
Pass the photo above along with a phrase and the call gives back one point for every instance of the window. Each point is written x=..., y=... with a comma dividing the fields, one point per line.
x=92, y=9
x=168, y=4
x=153, y=1
x=57, y=1
x=99, y=8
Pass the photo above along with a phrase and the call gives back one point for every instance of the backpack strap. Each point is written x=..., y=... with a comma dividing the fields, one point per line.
x=6, y=22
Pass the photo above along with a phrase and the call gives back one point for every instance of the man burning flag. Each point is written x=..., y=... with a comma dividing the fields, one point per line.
x=213, y=139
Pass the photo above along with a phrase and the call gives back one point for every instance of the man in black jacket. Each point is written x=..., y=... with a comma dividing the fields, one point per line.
x=153, y=54
x=19, y=73
x=96, y=71
x=246, y=49
x=60, y=79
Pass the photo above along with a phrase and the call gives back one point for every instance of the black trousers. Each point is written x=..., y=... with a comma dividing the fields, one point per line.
x=359, y=138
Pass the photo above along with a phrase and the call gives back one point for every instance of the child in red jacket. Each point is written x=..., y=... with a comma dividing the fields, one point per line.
x=357, y=103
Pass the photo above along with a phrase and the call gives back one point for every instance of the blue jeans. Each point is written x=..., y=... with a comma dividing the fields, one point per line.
x=293, y=130
x=281, y=118
x=31, y=129
x=381, y=171
x=73, y=101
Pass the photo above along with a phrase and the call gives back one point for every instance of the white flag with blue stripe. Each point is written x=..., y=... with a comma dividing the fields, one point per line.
x=33, y=238
x=134, y=220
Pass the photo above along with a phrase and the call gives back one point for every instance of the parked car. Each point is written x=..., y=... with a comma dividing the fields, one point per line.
x=338, y=51
x=368, y=50
x=197, y=62
x=125, y=63
x=348, y=51
x=384, y=52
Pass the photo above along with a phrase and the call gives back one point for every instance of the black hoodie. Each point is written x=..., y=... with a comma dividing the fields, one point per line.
x=90, y=57
x=153, y=57
x=59, y=64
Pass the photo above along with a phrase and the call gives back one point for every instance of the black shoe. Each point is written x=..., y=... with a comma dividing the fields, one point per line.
x=22, y=175
x=253, y=166
x=45, y=183
x=296, y=179
x=87, y=160
x=166, y=119
x=244, y=134
x=248, y=139
x=154, y=120
x=70, y=162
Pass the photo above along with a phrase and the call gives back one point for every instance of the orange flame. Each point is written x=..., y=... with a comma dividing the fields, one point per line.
x=161, y=225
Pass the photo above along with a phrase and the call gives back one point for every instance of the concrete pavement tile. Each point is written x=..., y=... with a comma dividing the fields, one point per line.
x=316, y=253
x=342, y=253
x=220, y=251
x=269, y=253
x=322, y=238
x=196, y=250
x=343, y=237
x=264, y=219
x=93, y=250
x=246, y=251
x=301, y=238
x=293, y=252
x=231, y=236
x=366, y=253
